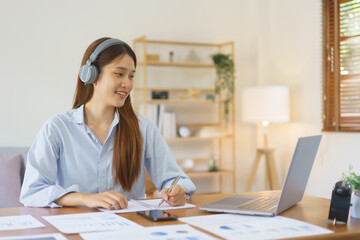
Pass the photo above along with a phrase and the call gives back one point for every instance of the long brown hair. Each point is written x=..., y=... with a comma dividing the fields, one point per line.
x=128, y=139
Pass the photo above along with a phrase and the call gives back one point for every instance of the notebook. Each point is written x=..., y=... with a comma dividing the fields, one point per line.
x=291, y=193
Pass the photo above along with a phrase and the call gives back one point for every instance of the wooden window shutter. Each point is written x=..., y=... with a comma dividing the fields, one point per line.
x=341, y=98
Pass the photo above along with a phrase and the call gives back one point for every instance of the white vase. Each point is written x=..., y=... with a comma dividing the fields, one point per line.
x=355, y=204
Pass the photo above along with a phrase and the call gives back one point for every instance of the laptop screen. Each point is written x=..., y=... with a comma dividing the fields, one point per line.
x=299, y=172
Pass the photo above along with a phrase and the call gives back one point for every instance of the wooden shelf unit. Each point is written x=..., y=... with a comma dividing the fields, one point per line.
x=144, y=91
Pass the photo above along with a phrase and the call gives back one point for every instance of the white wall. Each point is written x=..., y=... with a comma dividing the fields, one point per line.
x=276, y=42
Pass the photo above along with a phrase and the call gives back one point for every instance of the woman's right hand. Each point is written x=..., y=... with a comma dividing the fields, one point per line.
x=110, y=200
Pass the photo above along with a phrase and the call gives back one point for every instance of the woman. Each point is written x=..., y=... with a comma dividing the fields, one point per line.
x=94, y=155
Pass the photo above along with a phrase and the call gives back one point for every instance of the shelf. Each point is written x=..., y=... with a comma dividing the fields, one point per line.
x=204, y=90
x=207, y=174
x=204, y=124
x=176, y=101
x=179, y=139
x=144, y=40
x=177, y=64
x=195, y=159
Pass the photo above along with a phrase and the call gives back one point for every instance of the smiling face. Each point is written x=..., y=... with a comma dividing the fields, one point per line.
x=115, y=82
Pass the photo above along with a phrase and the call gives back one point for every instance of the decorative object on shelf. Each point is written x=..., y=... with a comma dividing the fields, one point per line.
x=213, y=165
x=152, y=57
x=159, y=94
x=265, y=104
x=192, y=57
x=211, y=132
x=210, y=97
x=184, y=131
x=225, y=79
x=171, y=56
x=192, y=93
x=188, y=164
x=354, y=180
x=340, y=202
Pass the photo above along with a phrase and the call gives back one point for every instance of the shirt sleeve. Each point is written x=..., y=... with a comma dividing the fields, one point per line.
x=40, y=188
x=161, y=164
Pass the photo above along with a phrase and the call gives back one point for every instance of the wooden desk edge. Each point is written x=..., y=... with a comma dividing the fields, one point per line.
x=311, y=209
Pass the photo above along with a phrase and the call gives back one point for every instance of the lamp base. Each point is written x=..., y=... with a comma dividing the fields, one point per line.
x=271, y=176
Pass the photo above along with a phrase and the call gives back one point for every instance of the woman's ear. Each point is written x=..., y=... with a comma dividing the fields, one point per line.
x=95, y=83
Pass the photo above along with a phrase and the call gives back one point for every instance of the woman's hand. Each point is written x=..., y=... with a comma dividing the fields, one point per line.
x=110, y=200
x=176, y=197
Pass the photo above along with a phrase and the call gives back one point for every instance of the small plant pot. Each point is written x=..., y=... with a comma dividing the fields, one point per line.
x=355, y=204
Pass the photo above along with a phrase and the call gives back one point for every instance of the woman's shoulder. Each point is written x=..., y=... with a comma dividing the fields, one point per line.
x=143, y=120
x=145, y=124
x=61, y=119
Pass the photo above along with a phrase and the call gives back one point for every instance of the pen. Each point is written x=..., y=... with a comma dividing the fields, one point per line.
x=169, y=190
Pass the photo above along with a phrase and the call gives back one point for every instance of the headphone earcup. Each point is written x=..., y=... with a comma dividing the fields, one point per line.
x=88, y=74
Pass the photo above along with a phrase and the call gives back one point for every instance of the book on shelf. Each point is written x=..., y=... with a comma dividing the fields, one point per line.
x=164, y=121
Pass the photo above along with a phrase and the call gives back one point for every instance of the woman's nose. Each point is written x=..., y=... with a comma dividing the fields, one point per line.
x=126, y=83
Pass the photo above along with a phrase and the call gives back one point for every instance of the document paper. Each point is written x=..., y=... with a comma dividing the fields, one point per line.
x=49, y=236
x=143, y=205
x=19, y=222
x=90, y=222
x=178, y=232
x=232, y=226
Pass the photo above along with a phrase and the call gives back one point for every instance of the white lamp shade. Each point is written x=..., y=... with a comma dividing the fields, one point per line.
x=265, y=103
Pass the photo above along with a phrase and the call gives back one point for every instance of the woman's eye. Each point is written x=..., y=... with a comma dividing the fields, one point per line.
x=132, y=76
x=119, y=74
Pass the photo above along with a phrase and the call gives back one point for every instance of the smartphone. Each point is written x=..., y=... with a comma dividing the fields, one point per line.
x=158, y=215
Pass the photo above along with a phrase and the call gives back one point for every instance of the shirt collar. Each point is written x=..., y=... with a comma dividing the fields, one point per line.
x=116, y=119
x=78, y=116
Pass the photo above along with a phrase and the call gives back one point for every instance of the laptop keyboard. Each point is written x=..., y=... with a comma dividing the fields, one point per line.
x=261, y=204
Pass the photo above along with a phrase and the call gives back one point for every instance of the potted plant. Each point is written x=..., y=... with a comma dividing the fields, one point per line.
x=354, y=180
x=225, y=79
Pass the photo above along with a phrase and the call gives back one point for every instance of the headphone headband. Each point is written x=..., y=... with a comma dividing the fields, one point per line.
x=102, y=46
x=88, y=72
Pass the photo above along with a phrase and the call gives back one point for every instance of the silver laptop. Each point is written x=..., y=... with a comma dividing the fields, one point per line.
x=291, y=193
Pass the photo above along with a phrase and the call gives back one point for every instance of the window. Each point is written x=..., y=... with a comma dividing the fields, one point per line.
x=341, y=93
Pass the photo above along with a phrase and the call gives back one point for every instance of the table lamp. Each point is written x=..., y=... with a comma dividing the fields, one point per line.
x=265, y=105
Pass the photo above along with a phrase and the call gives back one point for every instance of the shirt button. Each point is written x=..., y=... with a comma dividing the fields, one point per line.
x=102, y=184
x=102, y=159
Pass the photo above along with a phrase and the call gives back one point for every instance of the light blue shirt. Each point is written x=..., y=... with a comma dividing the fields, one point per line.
x=66, y=156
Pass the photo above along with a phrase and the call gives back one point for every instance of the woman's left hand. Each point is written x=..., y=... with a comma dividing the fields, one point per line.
x=176, y=197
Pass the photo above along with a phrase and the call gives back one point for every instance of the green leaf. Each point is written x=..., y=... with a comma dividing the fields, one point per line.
x=352, y=178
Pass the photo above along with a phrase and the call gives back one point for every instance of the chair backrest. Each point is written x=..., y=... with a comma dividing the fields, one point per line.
x=12, y=162
x=17, y=150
